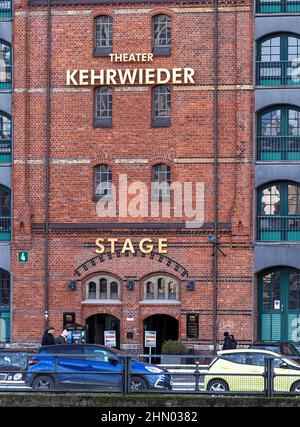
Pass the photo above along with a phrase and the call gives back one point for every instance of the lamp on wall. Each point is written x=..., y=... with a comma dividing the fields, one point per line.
x=190, y=285
x=72, y=285
x=130, y=284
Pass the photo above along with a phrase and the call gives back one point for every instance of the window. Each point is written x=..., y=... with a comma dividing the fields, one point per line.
x=103, y=182
x=103, y=107
x=4, y=289
x=277, y=58
x=161, y=288
x=161, y=35
x=5, y=220
x=5, y=65
x=102, y=288
x=5, y=138
x=277, y=6
x=279, y=212
x=161, y=106
x=103, y=35
x=161, y=181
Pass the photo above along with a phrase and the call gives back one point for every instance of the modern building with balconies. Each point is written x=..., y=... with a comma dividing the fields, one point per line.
x=5, y=166
x=277, y=168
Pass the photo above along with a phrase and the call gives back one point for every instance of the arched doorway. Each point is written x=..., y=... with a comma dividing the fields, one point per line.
x=166, y=328
x=97, y=324
x=279, y=305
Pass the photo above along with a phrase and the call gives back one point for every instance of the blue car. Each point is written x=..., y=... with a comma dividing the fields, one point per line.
x=89, y=367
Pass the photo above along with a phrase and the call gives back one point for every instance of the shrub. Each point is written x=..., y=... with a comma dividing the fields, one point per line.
x=174, y=347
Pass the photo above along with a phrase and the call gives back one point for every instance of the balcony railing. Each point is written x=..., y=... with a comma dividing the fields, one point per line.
x=278, y=228
x=5, y=225
x=279, y=6
x=278, y=148
x=5, y=151
x=277, y=73
x=5, y=9
x=5, y=77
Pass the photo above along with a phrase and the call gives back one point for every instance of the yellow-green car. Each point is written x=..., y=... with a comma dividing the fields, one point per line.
x=243, y=370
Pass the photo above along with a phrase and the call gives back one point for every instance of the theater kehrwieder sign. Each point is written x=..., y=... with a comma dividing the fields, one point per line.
x=130, y=76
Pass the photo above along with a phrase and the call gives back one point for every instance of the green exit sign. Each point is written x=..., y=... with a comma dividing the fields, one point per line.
x=23, y=256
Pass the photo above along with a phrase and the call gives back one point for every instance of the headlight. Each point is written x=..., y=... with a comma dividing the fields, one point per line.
x=17, y=377
x=153, y=369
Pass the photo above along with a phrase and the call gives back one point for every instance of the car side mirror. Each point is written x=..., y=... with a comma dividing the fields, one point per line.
x=113, y=361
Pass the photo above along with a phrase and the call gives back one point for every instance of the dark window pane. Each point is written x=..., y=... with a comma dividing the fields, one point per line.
x=5, y=63
x=4, y=202
x=103, y=288
x=161, y=181
x=114, y=290
x=103, y=100
x=162, y=31
x=271, y=290
x=103, y=31
x=294, y=290
x=103, y=181
x=161, y=102
x=92, y=290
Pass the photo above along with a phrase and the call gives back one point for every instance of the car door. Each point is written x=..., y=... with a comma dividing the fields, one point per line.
x=71, y=366
x=104, y=368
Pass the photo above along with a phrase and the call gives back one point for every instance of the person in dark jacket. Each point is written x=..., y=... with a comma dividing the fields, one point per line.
x=48, y=337
x=234, y=341
x=228, y=343
x=62, y=339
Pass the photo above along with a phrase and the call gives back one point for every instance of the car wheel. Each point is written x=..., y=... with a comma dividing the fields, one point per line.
x=295, y=387
x=43, y=382
x=217, y=385
x=137, y=384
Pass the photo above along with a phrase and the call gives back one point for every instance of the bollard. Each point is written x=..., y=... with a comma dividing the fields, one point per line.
x=269, y=377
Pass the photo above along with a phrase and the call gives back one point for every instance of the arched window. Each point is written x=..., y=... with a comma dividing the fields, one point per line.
x=275, y=56
x=161, y=35
x=279, y=304
x=277, y=6
x=161, y=106
x=161, y=181
x=5, y=65
x=102, y=181
x=161, y=288
x=5, y=137
x=103, y=107
x=279, y=212
x=5, y=211
x=103, y=35
x=279, y=133
x=102, y=288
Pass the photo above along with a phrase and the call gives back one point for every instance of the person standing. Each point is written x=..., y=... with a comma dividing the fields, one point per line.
x=48, y=337
x=228, y=343
x=62, y=339
x=234, y=341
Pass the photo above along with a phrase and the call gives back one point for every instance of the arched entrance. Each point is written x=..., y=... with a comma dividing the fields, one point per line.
x=279, y=305
x=97, y=324
x=166, y=328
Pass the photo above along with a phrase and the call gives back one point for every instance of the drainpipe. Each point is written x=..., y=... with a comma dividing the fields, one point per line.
x=47, y=160
x=216, y=179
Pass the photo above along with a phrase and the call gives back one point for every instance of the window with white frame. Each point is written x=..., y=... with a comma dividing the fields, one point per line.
x=102, y=288
x=161, y=288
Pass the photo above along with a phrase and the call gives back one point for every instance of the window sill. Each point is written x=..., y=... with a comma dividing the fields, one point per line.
x=160, y=302
x=101, y=301
x=102, y=51
x=102, y=123
x=164, y=122
x=162, y=51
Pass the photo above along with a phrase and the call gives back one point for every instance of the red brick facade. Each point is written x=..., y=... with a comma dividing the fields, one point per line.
x=131, y=147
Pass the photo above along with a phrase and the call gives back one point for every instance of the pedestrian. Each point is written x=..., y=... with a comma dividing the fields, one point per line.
x=228, y=343
x=234, y=341
x=48, y=337
x=62, y=339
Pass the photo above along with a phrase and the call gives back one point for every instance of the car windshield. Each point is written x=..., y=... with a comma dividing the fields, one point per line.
x=274, y=348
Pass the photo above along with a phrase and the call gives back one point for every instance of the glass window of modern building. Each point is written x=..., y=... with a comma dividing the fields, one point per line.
x=161, y=35
x=5, y=65
x=103, y=107
x=103, y=182
x=279, y=133
x=279, y=304
x=5, y=209
x=102, y=288
x=161, y=181
x=103, y=35
x=279, y=212
x=278, y=60
x=161, y=106
x=277, y=6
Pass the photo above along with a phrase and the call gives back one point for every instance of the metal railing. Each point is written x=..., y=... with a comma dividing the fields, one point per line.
x=73, y=373
x=5, y=9
x=5, y=227
x=278, y=228
x=6, y=77
x=5, y=150
x=278, y=148
x=277, y=73
x=279, y=6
